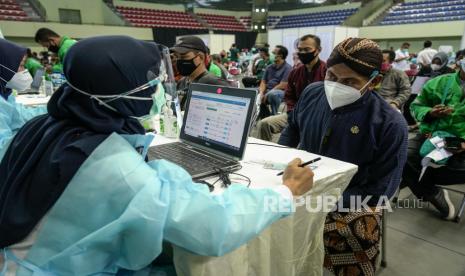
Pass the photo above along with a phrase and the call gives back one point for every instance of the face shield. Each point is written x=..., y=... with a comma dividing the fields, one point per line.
x=169, y=84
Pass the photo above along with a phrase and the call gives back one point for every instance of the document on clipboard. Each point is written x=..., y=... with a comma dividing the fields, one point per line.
x=418, y=84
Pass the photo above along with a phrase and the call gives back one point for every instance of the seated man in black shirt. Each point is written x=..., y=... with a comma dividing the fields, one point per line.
x=191, y=58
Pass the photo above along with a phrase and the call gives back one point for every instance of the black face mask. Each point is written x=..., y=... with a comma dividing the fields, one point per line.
x=186, y=66
x=277, y=58
x=53, y=48
x=306, y=58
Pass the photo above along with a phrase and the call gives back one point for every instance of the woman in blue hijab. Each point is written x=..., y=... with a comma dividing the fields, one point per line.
x=77, y=196
x=13, y=75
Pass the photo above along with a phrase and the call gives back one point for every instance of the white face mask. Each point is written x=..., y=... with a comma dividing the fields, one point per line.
x=20, y=81
x=435, y=67
x=340, y=95
x=462, y=64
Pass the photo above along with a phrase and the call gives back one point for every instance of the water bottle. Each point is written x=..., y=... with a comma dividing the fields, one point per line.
x=42, y=87
x=168, y=123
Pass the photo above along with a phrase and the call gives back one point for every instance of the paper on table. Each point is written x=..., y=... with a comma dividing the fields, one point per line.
x=417, y=85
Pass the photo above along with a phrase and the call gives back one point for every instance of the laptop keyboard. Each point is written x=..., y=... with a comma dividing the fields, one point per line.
x=194, y=161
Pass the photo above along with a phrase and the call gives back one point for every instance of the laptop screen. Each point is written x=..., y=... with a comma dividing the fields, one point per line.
x=219, y=120
x=37, y=81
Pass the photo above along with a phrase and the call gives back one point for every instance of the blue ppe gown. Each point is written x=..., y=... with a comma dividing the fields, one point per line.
x=13, y=116
x=118, y=209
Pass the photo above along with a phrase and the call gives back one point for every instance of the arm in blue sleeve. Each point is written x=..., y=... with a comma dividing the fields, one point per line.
x=286, y=74
x=214, y=225
x=13, y=116
x=25, y=113
x=5, y=130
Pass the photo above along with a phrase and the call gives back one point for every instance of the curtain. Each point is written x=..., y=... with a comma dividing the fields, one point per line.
x=167, y=36
x=243, y=39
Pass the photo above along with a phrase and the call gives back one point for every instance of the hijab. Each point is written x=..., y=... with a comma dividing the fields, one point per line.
x=444, y=60
x=47, y=151
x=11, y=56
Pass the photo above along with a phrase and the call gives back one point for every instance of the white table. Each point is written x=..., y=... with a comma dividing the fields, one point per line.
x=291, y=246
x=32, y=100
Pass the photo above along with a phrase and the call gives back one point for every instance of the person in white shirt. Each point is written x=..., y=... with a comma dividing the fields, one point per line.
x=426, y=55
x=402, y=57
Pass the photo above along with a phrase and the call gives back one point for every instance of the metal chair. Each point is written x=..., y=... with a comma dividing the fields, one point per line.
x=392, y=201
x=383, y=263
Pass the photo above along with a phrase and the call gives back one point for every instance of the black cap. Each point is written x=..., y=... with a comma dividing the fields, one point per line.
x=190, y=43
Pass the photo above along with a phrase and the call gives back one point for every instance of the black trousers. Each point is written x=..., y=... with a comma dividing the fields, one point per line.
x=407, y=115
x=250, y=82
x=426, y=188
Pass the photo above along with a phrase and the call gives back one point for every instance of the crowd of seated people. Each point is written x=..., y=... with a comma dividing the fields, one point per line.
x=310, y=69
x=49, y=156
x=348, y=107
x=437, y=110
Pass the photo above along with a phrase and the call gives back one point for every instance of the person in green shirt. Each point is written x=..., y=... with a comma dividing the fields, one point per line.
x=224, y=58
x=260, y=67
x=217, y=69
x=55, y=66
x=234, y=53
x=54, y=43
x=439, y=107
x=32, y=64
x=267, y=46
x=214, y=69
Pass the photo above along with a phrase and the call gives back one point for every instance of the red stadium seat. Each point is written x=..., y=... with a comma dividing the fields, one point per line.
x=158, y=18
x=10, y=10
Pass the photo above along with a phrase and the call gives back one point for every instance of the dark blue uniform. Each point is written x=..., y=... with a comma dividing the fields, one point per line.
x=368, y=133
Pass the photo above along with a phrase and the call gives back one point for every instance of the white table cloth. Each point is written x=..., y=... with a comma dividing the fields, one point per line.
x=32, y=100
x=291, y=246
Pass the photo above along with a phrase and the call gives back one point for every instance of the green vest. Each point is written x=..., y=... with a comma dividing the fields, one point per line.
x=32, y=65
x=65, y=44
x=447, y=90
x=215, y=70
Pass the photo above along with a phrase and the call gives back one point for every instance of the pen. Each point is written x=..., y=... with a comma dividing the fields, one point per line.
x=304, y=164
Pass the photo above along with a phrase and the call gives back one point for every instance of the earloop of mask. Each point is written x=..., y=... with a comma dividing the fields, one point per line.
x=125, y=95
x=372, y=77
x=8, y=70
x=95, y=97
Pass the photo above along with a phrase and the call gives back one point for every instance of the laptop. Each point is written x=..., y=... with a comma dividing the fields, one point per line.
x=36, y=82
x=215, y=130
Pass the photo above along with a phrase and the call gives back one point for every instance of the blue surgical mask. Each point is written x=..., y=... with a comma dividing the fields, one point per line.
x=159, y=100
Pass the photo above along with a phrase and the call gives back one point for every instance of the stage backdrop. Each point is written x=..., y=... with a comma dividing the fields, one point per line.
x=167, y=36
x=244, y=40
x=216, y=42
